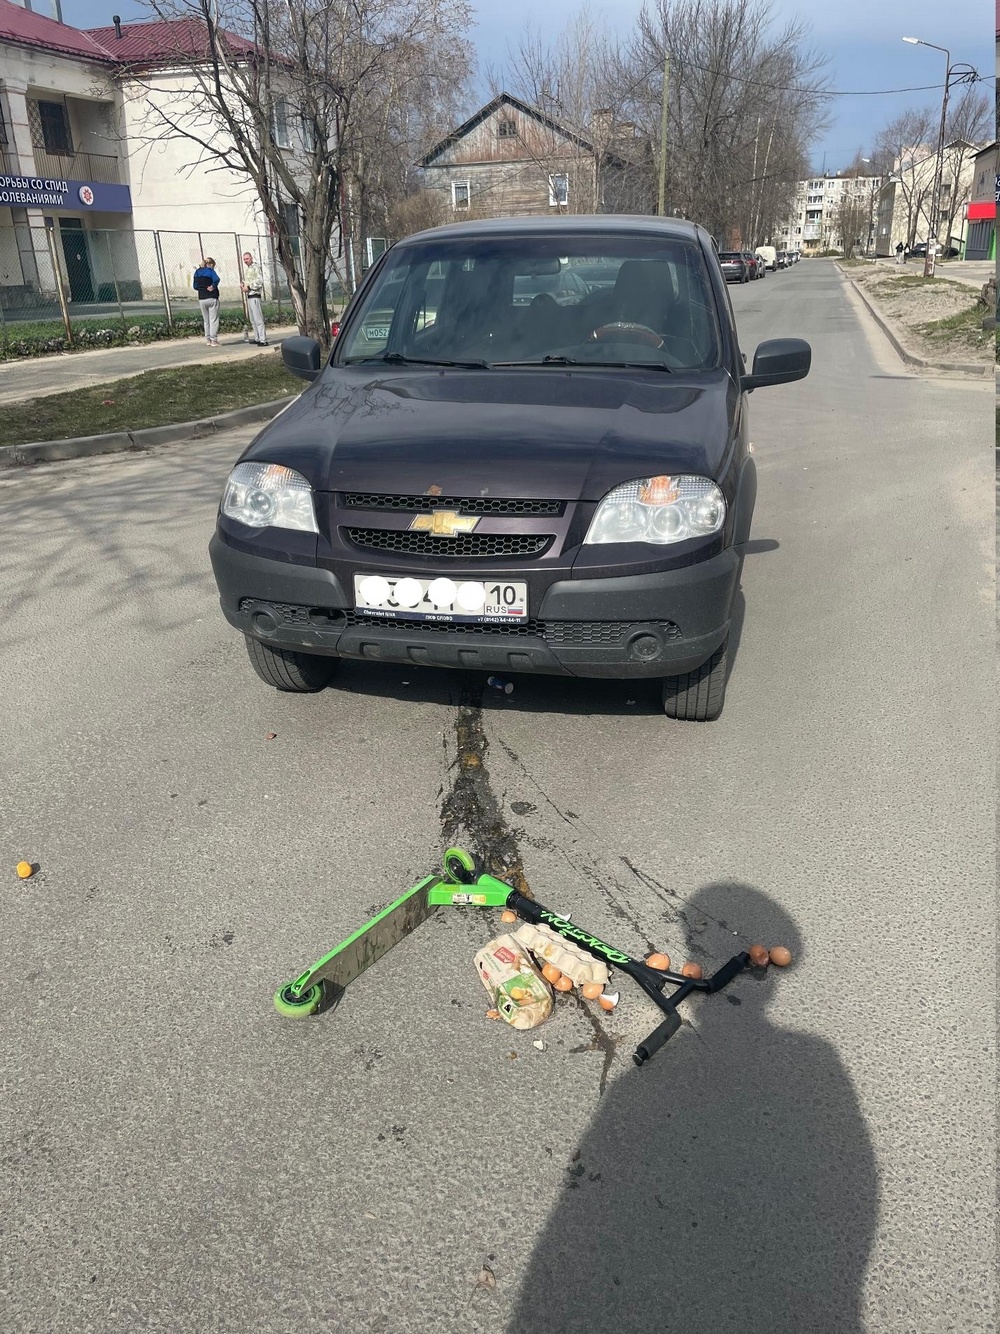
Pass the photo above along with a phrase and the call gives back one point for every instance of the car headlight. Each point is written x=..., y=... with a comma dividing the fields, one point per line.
x=660, y=510
x=266, y=495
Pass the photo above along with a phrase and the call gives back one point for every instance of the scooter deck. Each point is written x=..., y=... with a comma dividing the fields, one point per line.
x=381, y=933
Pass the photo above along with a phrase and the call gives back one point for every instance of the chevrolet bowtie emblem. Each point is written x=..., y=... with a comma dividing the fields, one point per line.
x=443, y=523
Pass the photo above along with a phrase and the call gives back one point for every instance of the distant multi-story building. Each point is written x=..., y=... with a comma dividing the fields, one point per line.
x=814, y=222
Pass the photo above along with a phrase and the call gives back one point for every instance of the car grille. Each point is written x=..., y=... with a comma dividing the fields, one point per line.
x=364, y=500
x=580, y=633
x=603, y=632
x=465, y=545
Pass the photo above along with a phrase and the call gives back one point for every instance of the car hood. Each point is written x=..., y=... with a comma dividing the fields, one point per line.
x=553, y=434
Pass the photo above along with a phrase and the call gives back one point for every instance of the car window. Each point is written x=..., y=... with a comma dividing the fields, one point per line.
x=588, y=299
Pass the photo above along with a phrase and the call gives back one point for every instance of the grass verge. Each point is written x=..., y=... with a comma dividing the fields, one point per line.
x=963, y=329
x=155, y=398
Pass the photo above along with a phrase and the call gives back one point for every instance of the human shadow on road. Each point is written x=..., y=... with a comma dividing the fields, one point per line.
x=730, y=1184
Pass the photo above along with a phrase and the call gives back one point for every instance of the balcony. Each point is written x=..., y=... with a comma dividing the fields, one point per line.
x=811, y=231
x=104, y=168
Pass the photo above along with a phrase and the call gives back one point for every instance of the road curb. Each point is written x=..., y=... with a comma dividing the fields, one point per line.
x=118, y=442
x=954, y=367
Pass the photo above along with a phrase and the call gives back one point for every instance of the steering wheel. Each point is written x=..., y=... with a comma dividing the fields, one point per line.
x=628, y=332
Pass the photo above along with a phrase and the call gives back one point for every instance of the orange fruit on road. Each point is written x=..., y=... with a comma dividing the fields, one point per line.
x=24, y=870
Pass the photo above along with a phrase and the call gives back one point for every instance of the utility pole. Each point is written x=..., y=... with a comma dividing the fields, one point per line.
x=933, y=222
x=753, y=208
x=662, y=202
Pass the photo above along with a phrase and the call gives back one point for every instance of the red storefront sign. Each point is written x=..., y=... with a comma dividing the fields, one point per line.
x=983, y=208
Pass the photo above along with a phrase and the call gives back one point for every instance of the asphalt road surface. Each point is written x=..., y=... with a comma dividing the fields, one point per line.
x=812, y=1153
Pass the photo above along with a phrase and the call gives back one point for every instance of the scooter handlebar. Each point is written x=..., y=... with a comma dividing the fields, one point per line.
x=657, y=1038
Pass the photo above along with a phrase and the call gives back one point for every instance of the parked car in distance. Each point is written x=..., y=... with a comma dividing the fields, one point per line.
x=755, y=266
x=940, y=251
x=734, y=266
x=769, y=255
x=564, y=489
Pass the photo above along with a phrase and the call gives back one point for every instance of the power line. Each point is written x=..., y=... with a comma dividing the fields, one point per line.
x=798, y=88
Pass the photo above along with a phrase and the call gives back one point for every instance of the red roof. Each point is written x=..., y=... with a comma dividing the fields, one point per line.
x=22, y=28
x=142, y=43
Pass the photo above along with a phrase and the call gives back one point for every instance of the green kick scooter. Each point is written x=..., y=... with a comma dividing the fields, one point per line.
x=461, y=885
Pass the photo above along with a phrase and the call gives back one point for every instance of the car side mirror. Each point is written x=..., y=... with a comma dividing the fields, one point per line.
x=301, y=356
x=778, y=361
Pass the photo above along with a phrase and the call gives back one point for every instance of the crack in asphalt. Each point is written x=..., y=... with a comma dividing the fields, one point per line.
x=471, y=806
x=671, y=898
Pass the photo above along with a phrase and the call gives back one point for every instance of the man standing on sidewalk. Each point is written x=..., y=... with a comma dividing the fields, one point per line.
x=206, y=284
x=900, y=251
x=254, y=288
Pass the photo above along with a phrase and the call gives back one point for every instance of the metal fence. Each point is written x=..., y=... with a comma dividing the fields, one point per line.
x=78, y=286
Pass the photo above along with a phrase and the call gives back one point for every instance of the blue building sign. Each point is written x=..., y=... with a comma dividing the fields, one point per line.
x=33, y=192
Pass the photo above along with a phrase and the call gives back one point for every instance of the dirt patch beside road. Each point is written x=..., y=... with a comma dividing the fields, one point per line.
x=934, y=318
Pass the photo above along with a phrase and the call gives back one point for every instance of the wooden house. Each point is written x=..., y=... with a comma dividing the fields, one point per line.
x=511, y=160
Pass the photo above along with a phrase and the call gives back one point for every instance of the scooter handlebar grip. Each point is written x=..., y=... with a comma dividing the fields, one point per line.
x=657, y=1038
x=728, y=971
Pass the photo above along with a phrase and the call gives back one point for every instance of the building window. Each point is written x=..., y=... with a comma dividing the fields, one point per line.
x=507, y=129
x=461, y=192
x=558, y=191
x=279, y=124
x=52, y=131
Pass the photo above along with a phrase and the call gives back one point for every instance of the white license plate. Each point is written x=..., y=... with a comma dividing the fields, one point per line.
x=401, y=597
x=376, y=332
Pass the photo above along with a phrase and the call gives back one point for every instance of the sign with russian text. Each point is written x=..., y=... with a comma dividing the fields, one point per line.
x=76, y=196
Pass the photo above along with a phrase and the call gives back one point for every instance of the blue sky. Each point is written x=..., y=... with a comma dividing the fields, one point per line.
x=862, y=39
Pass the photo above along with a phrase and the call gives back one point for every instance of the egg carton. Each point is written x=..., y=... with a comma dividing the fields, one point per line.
x=548, y=947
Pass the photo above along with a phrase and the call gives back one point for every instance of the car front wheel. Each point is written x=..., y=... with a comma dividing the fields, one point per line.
x=698, y=696
x=285, y=669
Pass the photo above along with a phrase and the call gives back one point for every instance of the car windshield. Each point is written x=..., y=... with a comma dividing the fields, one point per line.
x=731, y=255
x=539, y=300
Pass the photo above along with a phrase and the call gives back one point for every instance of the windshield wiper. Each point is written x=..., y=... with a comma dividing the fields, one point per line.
x=397, y=359
x=594, y=365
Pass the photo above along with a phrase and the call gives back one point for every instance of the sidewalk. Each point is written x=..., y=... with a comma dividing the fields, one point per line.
x=970, y=272
x=36, y=377
x=927, y=323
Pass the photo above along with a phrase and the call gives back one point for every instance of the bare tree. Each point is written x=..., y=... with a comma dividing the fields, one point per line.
x=852, y=220
x=906, y=143
x=316, y=103
x=414, y=213
x=577, y=81
x=744, y=101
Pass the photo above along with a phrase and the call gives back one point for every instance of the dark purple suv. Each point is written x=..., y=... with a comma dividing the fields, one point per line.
x=470, y=482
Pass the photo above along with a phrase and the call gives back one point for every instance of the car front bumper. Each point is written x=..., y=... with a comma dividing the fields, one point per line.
x=645, y=625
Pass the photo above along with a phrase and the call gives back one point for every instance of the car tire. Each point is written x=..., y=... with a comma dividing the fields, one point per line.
x=698, y=696
x=285, y=669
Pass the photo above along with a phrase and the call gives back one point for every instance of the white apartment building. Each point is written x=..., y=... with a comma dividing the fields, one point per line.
x=905, y=210
x=812, y=224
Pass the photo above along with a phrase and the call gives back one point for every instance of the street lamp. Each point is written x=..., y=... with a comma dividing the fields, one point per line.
x=935, y=208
